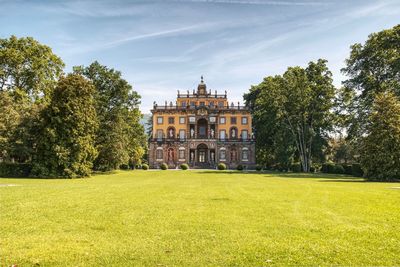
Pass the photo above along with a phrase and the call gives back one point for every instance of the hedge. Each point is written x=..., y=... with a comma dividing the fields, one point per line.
x=164, y=166
x=184, y=166
x=145, y=167
x=221, y=166
x=240, y=167
x=8, y=169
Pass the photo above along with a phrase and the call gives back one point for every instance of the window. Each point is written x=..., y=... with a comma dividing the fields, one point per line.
x=183, y=104
x=233, y=120
x=244, y=135
x=222, y=120
x=245, y=154
x=212, y=119
x=182, y=120
x=202, y=104
x=192, y=104
x=159, y=134
x=220, y=104
x=222, y=134
x=244, y=120
x=182, y=153
x=192, y=119
x=159, y=153
x=222, y=154
x=160, y=120
x=182, y=134
x=211, y=104
x=171, y=120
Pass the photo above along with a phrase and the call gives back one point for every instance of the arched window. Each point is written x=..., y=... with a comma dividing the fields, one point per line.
x=159, y=153
x=222, y=154
x=182, y=153
x=233, y=133
x=245, y=154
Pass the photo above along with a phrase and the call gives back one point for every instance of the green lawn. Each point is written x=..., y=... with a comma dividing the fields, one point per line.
x=197, y=218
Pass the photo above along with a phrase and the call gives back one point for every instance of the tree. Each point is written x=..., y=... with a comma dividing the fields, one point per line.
x=9, y=120
x=28, y=67
x=120, y=134
x=69, y=123
x=380, y=155
x=372, y=68
x=293, y=111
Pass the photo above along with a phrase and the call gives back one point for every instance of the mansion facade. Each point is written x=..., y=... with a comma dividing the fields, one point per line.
x=202, y=129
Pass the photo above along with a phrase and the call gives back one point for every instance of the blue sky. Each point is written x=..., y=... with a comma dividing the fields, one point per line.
x=164, y=46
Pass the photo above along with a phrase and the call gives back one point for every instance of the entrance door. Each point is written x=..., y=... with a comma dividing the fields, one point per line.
x=202, y=156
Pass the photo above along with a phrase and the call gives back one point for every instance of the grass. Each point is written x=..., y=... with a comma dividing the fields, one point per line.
x=198, y=218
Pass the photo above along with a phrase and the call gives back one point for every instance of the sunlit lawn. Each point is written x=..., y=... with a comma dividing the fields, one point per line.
x=197, y=218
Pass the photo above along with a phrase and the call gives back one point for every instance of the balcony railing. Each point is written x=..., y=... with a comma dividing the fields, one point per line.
x=195, y=107
x=201, y=138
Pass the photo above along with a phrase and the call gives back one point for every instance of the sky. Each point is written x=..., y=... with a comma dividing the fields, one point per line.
x=164, y=46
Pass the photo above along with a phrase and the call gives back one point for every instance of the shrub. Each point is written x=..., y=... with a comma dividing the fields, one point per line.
x=221, y=166
x=164, y=166
x=184, y=166
x=258, y=168
x=312, y=169
x=328, y=167
x=145, y=167
x=240, y=167
x=295, y=167
x=338, y=169
x=347, y=169
x=356, y=170
x=8, y=169
x=124, y=167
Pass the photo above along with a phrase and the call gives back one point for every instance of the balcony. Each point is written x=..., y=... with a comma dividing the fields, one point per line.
x=196, y=107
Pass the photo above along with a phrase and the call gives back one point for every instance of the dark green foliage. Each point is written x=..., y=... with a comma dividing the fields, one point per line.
x=380, y=153
x=347, y=169
x=124, y=167
x=312, y=169
x=338, y=169
x=258, y=168
x=184, y=166
x=239, y=167
x=69, y=122
x=145, y=166
x=15, y=169
x=295, y=167
x=356, y=170
x=221, y=166
x=120, y=138
x=328, y=167
x=164, y=166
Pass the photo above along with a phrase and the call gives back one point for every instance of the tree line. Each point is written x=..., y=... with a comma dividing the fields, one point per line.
x=54, y=124
x=301, y=119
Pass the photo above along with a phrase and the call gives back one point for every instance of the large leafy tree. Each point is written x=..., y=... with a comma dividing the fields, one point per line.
x=66, y=147
x=372, y=68
x=28, y=67
x=293, y=112
x=380, y=155
x=120, y=136
x=28, y=73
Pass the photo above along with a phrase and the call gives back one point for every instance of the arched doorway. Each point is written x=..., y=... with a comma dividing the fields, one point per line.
x=202, y=128
x=202, y=151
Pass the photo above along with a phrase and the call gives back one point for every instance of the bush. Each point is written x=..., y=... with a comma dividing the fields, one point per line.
x=184, y=166
x=221, y=166
x=347, y=169
x=258, y=168
x=8, y=169
x=138, y=166
x=328, y=167
x=240, y=167
x=145, y=167
x=295, y=167
x=356, y=170
x=164, y=166
x=124, y=167
x=338, y=169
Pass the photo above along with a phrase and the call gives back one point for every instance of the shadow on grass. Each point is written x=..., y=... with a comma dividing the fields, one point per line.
x=290, y=175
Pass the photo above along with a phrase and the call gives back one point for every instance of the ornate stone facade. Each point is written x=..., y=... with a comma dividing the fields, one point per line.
x=202, y=129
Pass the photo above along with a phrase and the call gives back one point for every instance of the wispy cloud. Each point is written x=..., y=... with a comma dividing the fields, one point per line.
x=258, y=2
